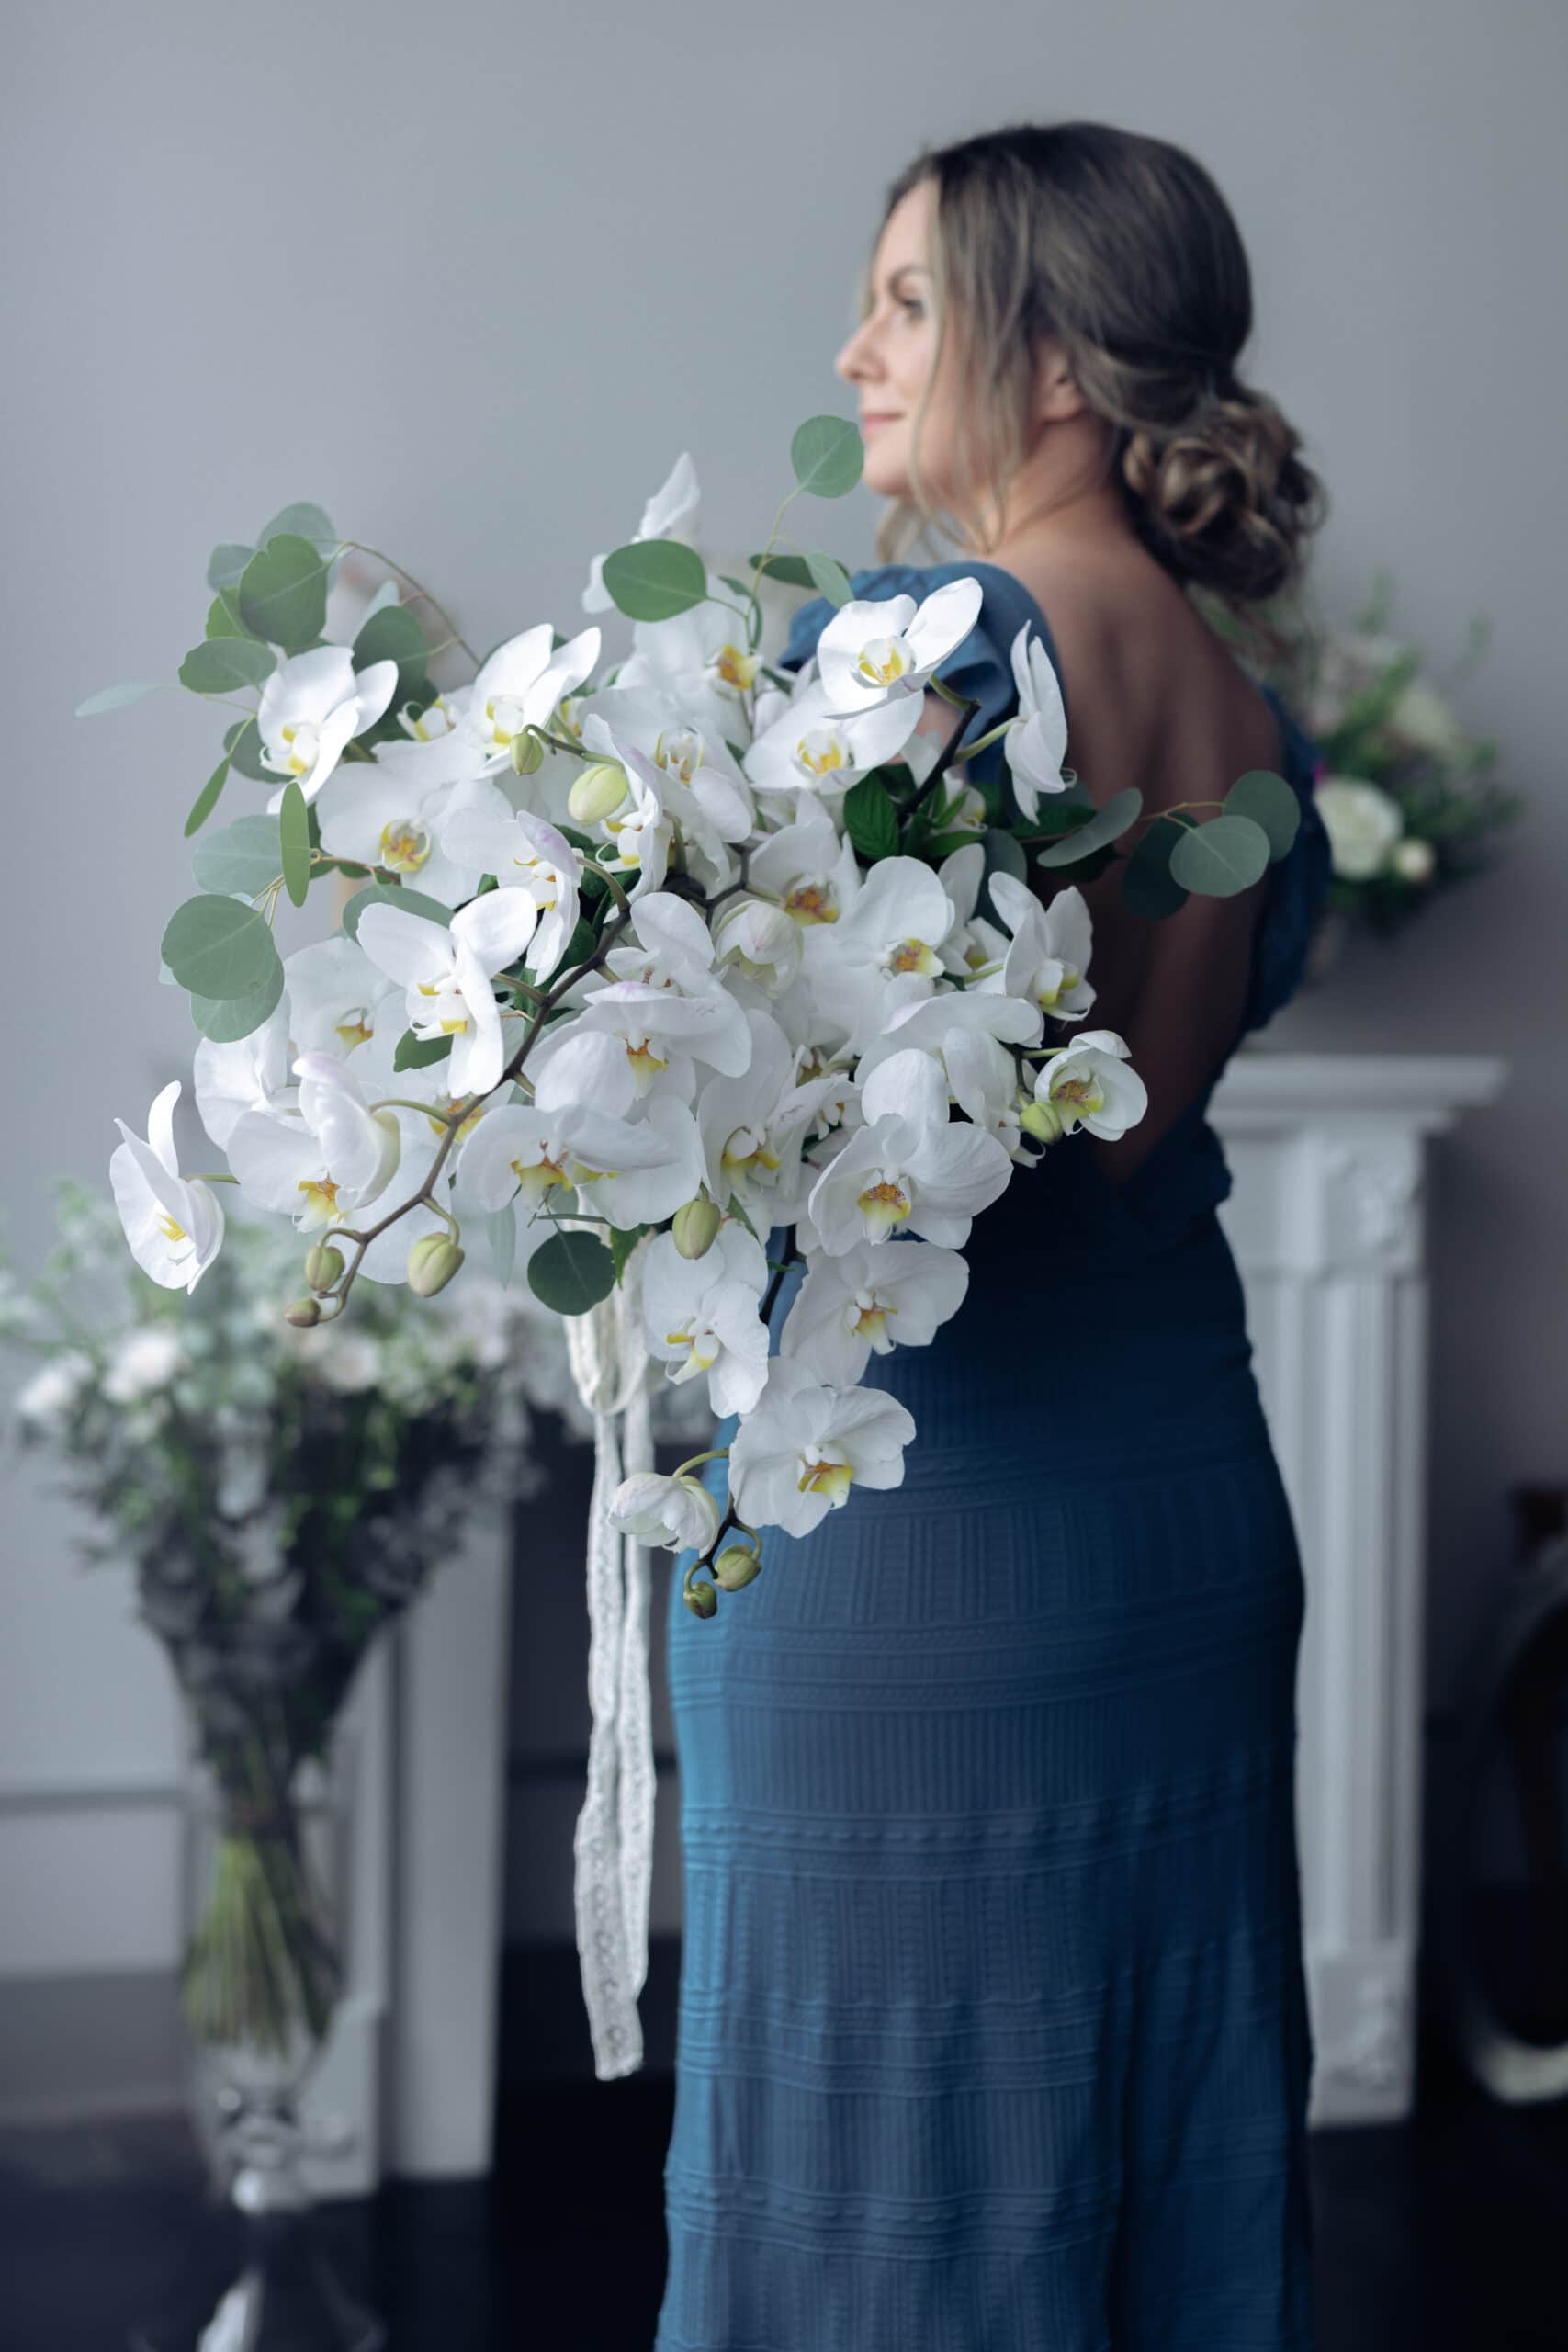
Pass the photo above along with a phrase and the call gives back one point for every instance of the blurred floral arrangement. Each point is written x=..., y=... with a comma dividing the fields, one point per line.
x=1408, y=796
x=283, y=1494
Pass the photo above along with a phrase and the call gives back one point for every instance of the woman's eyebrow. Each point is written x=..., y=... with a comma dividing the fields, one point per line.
x=905, y=267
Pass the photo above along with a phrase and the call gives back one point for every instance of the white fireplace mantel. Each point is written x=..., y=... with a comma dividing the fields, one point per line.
x=1327, y=1223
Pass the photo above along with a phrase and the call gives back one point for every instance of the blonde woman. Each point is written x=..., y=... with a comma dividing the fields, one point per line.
x=993, y=2031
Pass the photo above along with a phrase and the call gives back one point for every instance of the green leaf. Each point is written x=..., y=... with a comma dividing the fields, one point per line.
x=502, y=1227
x=740, y=587
x=243, y=744
x=282, y=594
x=246, y=856
x=221, y=663
x=223, y=616
x=418, y=1053
x=206, y=800
x=793, y=571
x=1148, y=887
x=303, y=521
x=1107, y=824
x=870, y=819
x=830, y=578
x=294, y=840
x=227, y=1019
x=1222, y=857
x=227, y=563
x=572, y=1272
x=623, y=1244
x=388, y=894
x=945, y=845
x=113, y=699
x=1269, y=800
x=652, y=580
x=215, y=947
x=394, y=635
x=828, y=456
x=1003, y=855
x=580, y=946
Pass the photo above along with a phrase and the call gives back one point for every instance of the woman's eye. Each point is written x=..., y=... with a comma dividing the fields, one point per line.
x=908, y=303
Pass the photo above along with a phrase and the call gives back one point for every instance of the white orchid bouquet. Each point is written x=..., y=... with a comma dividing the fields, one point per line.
x=671, y=972
x=1408, y=796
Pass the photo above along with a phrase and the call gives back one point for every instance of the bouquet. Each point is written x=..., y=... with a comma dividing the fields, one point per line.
x=1407, y=796
x=670, y=973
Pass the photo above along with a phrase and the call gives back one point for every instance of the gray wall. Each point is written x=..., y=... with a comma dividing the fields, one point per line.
x=471, y=280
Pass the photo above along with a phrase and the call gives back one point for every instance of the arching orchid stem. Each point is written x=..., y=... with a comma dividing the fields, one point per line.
x=457, y=637
x=718, y=1453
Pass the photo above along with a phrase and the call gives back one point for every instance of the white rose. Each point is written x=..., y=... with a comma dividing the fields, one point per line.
x=1425, y=721
x=1413, y=859
x=143, y=1362
x=1363, y=824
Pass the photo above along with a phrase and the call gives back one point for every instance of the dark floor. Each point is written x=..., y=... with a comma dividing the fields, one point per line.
x=1440, y=2236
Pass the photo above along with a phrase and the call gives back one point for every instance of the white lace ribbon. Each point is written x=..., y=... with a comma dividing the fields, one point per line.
x=613, y=1844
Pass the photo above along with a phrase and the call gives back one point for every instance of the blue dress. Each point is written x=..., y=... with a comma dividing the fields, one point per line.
x=993, y=2026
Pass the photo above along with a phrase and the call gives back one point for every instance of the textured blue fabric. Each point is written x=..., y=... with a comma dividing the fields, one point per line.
x=993, y=2025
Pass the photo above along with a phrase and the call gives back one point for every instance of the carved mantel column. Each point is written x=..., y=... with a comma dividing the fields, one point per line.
x=1328, y=1224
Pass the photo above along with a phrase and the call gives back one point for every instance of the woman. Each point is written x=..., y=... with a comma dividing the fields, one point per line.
x=993, y=2031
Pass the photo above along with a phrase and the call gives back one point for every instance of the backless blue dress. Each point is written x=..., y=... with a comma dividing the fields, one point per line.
x=993, y=2027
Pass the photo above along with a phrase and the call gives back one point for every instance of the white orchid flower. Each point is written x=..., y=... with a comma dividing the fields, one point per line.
x=441, y=717
x=321, y=1161
x=974, y=947
x=337, y=999
x=809, y=747
x=520, y=686
x=1048, y=958
x=700, y=1315
x=1036, y=744
x=441, y=747
x=758, y=941
x=907, y=1170
x=869, y=1300
x=668, y=945
x=752, y=1126
x=1088, y=1084
x=804, y=1445
x=986, y=1086
x=377, y=817
x=250, y=1074
x=678, y=1514
x=877, y=649
x=663, y=1031
x=311, y=706
x=524, y=853
x=701, y=660
x=665, y=515
x=446, y=973
x=535, y=1159
x=934, y=1020
x=808, y=866
x=700, y=789
x=175, y=1225
x=575, y=1066
x=640, y=830
x=882, y=953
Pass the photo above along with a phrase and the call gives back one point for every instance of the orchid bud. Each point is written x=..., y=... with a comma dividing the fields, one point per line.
x=304, y=1312
x=1042, y=1121
x=597, y=793
x=432, y=1262
x=527, y=752
x=323, y=1264
x=736, y=1566
x=695, y=1228
x=700, y=1598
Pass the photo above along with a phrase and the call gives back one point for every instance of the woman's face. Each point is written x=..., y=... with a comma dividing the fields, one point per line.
x=888, y=357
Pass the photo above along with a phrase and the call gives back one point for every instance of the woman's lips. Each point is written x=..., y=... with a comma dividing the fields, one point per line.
x=879, y=416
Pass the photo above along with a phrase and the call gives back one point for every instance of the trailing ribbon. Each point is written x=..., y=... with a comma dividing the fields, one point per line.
x=613, y=1842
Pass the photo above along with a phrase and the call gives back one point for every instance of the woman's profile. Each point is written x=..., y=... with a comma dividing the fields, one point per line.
x=993, y=2026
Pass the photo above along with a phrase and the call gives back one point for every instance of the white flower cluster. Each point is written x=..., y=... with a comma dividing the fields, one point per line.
x=647, y=986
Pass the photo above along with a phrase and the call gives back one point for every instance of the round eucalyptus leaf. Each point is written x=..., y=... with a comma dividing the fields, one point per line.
x=1269, y=800
x=1220, y=858
x=282, y=593
x=206, y=800
x=652, y=580
x=244, y=745
x=572, y=1272
x=793, y=571
x=227, y=1019
x=828, y=455
x=302, y=521
x=830, y=578
x=218, y=947
x=223, y=616
x=393, y=635
x=1107, y=824
x=246, y=856
x=1148, y=887
x=294, y=840
x=227, y=563
x=221, y=663
x=386, y=894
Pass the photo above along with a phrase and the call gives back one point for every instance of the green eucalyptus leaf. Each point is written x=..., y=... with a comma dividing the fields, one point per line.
x=572, y=1272
x=394, y=635
x=294, y=839
x=739, y=587
x=227, y=1019
x=793, y=571
x=221, y=663
x=206, y=800
x=870, y=817
x=244, y=743
x=246, y=856
x=1269, y=800
x=830, y=578
x=828, y=456
x=1107, y=824
x=282, y=594
x=502, y=1227
x=388, y=894
x=419, y=1053
x=216, y=946
x=227, y=564
x=1220, y=858
x=1148, y=887
x=113, y=699
x=303, y=521
x=223, y=616
x=652, y=580
x=623, y=1244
